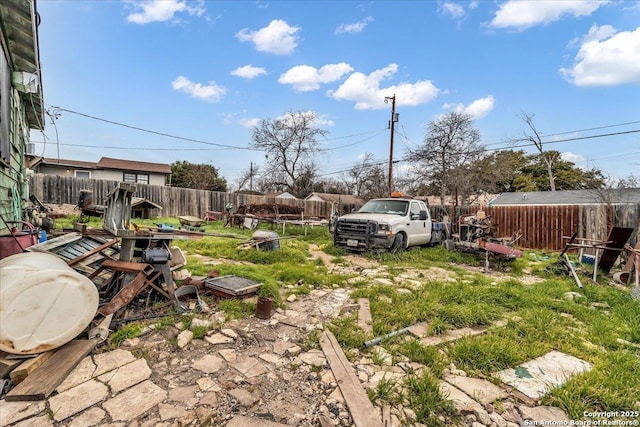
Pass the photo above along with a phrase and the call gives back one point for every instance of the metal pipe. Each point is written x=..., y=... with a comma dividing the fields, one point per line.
x=377, y=340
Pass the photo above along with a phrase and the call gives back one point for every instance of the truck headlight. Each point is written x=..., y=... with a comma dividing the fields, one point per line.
x=383, y=228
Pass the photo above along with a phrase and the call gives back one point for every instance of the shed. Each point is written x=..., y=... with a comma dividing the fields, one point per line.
x=143, y=208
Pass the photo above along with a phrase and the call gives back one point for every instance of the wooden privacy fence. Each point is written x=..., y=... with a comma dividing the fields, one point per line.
x=541, y=227
x=175, y=201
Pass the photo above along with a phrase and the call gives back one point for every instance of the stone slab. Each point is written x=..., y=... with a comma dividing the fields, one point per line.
x=461, y=401
x=228, y=354
x=314, y=358
x=81, y=373
x=106, y=362
x=11, y=412
x=544, y=415
x=40, y=421
x=184, y=338
x=419, y=330
x=250, y=367
x=242, y=421
x=77, y=399
x=273, y=359
x=208, y=364
x=453, y=335
x=538, y=376
x=125, y=376
x=480, y=390
x=169, y=412
x=134, y=402
x=90, y=417
x=218, y=338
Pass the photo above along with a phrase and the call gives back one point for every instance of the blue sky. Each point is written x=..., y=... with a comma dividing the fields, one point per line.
x=210, y=70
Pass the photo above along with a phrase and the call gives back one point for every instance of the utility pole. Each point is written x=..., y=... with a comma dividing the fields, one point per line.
x=251, y=178
x=394, y=118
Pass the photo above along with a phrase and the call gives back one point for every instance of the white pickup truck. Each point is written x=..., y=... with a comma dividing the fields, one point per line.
x=393, y=224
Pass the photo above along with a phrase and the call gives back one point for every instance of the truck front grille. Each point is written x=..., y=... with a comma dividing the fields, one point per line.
x=356, y=227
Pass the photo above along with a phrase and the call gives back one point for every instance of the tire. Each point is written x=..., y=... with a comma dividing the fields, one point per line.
x=398, y=243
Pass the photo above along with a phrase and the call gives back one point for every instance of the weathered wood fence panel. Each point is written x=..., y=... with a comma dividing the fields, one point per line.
x=174, y=201
x=548, y=227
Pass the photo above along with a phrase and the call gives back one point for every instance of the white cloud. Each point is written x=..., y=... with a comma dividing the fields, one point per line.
x=278, y=37
x=367, y=94
x=149, y=11
x=248, y=72
x=209, y=93
x=606, y=58
x=568, y=156
x=305, y=78
x=354, y=28
x=249, y=122
x=317, y=118
x=477, y=109
x=453, y=9
x=523, y=14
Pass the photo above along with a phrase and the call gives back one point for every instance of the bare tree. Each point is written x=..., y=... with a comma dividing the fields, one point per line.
x=451, y=143
x=246, y=179
x=367, y=178
x=291, y=143
x=534, y=137
x=632, y=181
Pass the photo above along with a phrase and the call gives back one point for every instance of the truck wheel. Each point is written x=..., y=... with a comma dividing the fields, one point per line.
x=448, y=244
x=398, y=244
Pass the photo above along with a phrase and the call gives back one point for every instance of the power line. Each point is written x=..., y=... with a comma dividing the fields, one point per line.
x=132, y=148
x=233, y=147
x=407, y=158
x=223, y=146
x=595, y=128
x=378, y=132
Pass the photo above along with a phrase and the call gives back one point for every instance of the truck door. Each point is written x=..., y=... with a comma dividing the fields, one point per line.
x=419, y=227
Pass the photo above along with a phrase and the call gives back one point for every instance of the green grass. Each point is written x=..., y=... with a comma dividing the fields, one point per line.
x=130, y=330
x=424, y=397
x=236, y=309
x=541, y=317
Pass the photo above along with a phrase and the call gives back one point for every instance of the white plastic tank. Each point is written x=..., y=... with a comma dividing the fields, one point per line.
x=44, y=303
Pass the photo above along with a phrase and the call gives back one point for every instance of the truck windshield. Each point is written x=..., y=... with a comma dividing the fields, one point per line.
x=398, y=207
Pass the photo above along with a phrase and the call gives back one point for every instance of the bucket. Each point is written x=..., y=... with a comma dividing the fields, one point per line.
x=266, y=240
x=17, y=241
x=263, y=308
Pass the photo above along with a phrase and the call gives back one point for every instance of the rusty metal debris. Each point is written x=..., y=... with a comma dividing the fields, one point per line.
x=479, y=234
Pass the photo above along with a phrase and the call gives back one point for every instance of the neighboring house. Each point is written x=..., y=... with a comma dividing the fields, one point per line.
x=107, y=169
x=21, y=103
x=344, y=199
x=569, y=197
x=281, y=195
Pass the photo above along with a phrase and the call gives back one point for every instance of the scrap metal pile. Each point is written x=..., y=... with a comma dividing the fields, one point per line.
x=478, y=234
x=90, y=280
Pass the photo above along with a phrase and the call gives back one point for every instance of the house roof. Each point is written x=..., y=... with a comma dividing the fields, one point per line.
x=65, y=162
x=281, y=195
x=20, y=27
x=143, y=203
x=106, y=163
x=337, y=198
x=109, y=163
x=569, y=197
